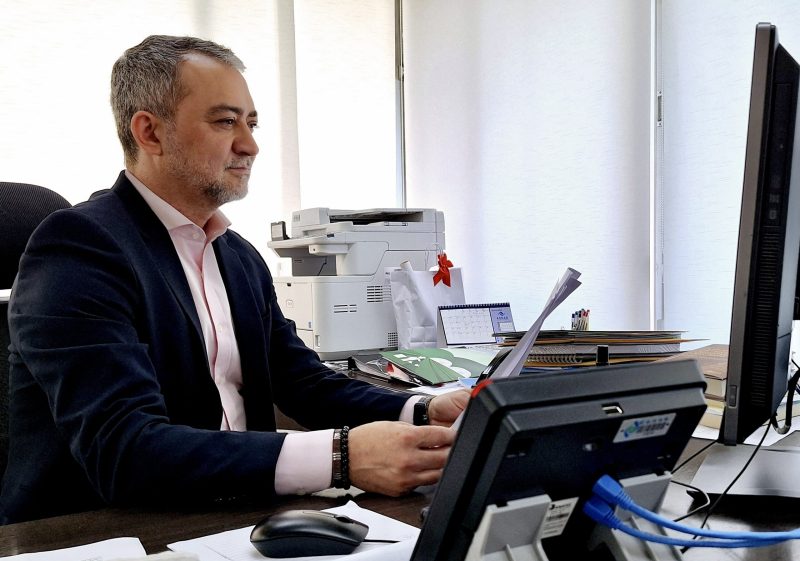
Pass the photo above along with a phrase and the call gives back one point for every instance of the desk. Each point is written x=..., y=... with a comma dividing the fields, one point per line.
x=158, y=528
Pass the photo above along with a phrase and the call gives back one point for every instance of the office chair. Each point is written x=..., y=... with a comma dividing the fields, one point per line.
x=22, y=208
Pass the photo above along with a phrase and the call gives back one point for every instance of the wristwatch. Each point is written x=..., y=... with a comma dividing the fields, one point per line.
x=421, y=411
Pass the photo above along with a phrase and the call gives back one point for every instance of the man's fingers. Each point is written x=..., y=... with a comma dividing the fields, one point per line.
x=434, y=437
x=431, y=458
x=429, y=477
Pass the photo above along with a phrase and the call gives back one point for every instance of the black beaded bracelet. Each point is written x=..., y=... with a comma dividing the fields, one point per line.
x=341, y=459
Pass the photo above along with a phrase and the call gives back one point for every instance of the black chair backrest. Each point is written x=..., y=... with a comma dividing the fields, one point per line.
x=22, y=208
x=4, y=379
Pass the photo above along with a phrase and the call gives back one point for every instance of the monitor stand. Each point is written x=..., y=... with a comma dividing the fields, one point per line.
x=515, y=530
x=765, y=476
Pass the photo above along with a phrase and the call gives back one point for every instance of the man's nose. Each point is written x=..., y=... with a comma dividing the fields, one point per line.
x=245, y=142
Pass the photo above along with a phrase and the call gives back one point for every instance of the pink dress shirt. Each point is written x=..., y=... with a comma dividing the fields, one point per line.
x=304, y=464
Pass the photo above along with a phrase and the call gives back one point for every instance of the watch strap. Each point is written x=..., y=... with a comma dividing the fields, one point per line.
x=421, y=416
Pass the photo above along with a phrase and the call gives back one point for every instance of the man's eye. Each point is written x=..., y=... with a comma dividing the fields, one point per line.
x=253, y=126
x=227, y=122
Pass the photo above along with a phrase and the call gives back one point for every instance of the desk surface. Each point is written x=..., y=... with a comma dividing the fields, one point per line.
x=158, y=528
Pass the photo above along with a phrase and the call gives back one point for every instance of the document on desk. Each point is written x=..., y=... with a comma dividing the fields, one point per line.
x=117, y=548
x=235, y=545
x=513, y=363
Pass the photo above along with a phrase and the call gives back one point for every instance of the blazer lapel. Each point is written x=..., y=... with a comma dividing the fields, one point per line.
x=157, y=239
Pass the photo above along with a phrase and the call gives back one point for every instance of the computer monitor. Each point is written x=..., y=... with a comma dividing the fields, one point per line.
x=765, y=284
x=556, y=433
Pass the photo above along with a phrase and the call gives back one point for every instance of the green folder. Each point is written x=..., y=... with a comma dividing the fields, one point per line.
x=438, y=366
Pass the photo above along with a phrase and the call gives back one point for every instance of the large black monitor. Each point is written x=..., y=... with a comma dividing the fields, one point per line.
x=765, y=285
x=556, y=434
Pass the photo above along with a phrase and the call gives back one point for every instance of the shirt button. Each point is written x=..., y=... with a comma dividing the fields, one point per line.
x=196, y=236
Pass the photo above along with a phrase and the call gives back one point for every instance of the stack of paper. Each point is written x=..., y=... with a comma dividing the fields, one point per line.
x=559, y=348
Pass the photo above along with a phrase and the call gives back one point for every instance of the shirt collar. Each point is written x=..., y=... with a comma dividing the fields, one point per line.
x=172, y=217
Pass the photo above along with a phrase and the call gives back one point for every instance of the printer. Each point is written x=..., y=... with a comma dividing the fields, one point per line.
x=339, y=294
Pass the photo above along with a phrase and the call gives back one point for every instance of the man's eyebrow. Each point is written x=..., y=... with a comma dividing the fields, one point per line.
x=217, y=109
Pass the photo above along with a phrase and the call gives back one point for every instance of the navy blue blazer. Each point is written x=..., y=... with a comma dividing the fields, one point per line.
x=111, y=396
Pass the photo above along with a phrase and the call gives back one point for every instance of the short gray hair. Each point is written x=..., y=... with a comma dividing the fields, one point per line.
x=146, y=78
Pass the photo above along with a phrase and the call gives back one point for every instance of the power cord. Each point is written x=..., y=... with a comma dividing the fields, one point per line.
x=696, y=510
x=793, y=384
x=693, y=456
x=787, y=423
x=735, y=479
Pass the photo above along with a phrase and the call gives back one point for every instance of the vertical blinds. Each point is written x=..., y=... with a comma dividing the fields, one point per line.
x=528, y=124
x=707, y=57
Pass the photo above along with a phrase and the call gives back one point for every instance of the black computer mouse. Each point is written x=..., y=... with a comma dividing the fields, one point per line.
x=301, y=533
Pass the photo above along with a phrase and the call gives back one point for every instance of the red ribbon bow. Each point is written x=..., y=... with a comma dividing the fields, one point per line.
x=443, y=274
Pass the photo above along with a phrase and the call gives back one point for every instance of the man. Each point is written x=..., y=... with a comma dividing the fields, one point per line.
x=147, y=343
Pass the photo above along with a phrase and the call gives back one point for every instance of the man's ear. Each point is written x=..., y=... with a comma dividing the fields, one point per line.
x=148, y=131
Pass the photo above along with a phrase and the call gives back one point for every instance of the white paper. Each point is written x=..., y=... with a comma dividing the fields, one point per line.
x=448, y=387
x=515, y=360
x=117, y=548
x=705, y=433
x=235, y=545
x=513, y=363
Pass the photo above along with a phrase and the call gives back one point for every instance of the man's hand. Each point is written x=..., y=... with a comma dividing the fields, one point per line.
x=394, y=458
x=445, y=408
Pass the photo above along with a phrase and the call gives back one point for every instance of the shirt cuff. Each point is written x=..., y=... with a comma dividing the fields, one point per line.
x=407, y=412
x=305, y=463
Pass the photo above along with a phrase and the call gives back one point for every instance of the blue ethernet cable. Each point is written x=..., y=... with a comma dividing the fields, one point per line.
x=602, y=513
x=610, y=491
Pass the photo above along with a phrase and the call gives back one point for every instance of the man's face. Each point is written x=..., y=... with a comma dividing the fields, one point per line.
x=209, y=149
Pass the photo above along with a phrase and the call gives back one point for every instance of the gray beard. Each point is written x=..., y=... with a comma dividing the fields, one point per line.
x=220, y=194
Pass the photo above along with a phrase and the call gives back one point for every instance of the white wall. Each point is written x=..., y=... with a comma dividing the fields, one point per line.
x=528, y=125
x=707, y=50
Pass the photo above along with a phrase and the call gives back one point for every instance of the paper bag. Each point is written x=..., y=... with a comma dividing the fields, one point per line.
x=416, y=302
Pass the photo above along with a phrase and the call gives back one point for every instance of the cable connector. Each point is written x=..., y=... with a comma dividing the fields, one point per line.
x=609, y=489
x=601, y=512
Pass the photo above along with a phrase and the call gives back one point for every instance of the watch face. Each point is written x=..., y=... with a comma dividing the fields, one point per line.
x=421, y=412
